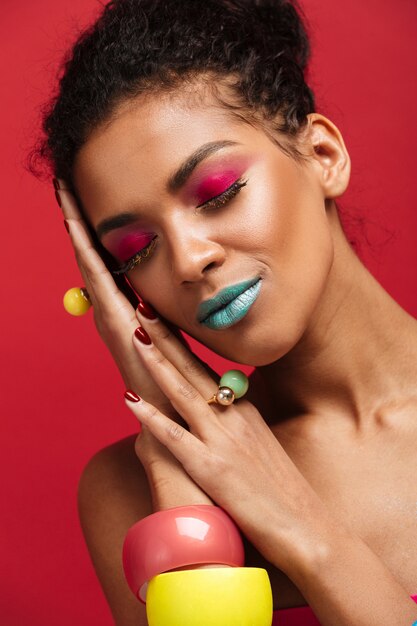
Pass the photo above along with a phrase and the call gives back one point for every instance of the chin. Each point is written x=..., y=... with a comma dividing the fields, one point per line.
x=254, y=354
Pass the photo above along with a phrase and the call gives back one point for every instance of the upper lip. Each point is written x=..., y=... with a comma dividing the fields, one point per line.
x=224, y=296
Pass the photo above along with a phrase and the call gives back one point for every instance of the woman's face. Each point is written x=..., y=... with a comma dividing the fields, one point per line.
x=227, y=208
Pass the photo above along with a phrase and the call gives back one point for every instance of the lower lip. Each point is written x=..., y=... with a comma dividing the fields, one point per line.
x=235, y=310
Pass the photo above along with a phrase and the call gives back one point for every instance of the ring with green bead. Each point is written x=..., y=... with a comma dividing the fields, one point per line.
x=233, y=385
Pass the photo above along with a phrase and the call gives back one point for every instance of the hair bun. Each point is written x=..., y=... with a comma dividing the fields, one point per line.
x=280, y=26
x=136, y=46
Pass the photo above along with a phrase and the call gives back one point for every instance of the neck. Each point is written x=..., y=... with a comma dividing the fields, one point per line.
x=356, y=360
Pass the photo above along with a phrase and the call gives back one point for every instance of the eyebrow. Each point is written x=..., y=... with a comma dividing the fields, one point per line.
x=175, y=182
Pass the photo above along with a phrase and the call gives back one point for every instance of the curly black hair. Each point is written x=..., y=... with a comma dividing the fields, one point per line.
x=259, y=48
x=136, y=46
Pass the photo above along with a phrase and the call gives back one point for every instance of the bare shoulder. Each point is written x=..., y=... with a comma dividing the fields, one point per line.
x=113, y=494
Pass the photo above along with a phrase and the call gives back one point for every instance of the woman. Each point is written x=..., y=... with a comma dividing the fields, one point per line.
x=190, y=160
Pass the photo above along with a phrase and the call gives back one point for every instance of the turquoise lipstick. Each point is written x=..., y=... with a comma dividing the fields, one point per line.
x=230, y=305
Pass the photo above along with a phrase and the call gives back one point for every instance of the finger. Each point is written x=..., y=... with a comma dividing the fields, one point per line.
x=184, y=397
x=198, y=373
x=179, y=441
x=98, y=281
x=85, y=254
x=69, y=205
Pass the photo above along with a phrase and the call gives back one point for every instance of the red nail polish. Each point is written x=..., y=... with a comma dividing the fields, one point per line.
x=66, y=225
x=143, y=336
x=56, y=183
x=58, y=197
x=147, y=311
x=131, y=395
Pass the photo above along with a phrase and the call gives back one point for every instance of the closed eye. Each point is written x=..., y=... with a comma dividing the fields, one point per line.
x=137, y=258
x=225, y=196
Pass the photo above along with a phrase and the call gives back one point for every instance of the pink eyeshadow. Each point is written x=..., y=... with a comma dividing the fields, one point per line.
x=124, y=246
x=214, y=184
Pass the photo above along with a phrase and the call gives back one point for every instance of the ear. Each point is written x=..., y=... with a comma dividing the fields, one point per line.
x=328, y=153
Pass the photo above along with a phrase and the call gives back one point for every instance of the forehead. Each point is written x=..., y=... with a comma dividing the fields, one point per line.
x=153, y=125
x=145, y=141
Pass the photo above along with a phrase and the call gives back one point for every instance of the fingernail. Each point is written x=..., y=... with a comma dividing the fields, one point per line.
x=56, y=183
x=147, y=311
x=143, y=336
x=66, y=225
x=58, y=197
x=132, y=396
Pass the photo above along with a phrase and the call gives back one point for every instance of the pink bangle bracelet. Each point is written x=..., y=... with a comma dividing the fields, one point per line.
x=187, y=535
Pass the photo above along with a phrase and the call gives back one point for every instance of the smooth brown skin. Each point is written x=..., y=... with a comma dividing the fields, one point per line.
x=335, y=355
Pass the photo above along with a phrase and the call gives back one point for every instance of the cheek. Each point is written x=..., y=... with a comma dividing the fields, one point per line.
x=288, y=220
x=162, y=299
x=302, y=252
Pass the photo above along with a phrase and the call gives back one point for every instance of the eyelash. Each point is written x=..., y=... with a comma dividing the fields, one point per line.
x=225, y=196
x=213, y=203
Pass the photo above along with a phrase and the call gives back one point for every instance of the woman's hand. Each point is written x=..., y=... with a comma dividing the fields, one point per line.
x=232, y=454
x=114, y=316
x=115, y=319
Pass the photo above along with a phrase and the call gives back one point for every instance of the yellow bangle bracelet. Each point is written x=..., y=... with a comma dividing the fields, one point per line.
x=217, y=596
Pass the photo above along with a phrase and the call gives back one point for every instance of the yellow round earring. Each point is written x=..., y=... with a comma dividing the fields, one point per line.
x=77, y=301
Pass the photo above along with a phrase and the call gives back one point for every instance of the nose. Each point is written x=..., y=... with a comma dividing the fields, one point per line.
x=194, y=255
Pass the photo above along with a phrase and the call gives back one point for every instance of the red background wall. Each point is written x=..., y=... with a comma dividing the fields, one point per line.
x=61, y=395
